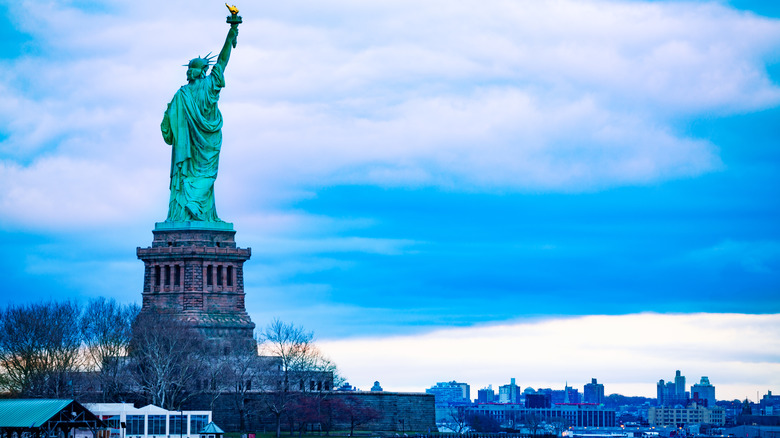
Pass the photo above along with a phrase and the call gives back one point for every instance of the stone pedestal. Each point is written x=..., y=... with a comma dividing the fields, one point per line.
x=195, y=272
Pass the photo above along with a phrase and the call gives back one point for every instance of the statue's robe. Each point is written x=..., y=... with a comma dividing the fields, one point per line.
x=192, y=124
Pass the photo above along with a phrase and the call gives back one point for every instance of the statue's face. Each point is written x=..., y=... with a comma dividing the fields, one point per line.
x=196, y=69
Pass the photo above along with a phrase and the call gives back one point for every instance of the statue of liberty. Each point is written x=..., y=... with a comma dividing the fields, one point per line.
x=192, y=125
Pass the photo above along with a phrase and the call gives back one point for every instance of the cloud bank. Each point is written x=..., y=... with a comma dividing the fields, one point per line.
x=627, y=353
x=520, y=96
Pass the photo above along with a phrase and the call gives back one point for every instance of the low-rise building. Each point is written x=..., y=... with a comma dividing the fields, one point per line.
x=753, y=432
x=678, y=416
x=450, y=393
x=149, y=421
x=572, y=414
x=770, y=404
x=450, y=397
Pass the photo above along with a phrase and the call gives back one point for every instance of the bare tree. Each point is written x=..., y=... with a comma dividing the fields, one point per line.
x=243, y=372
x=21, y=349
x=295, y=366
x=358, y=414
x=39, y=348
x=483, y=423
x=235, y=373
x=64, y=344
x=107, y=330
x=331, y=411
x=166, y=359
x=213, y=378
x=457, y=419
x=305, y=411
x=532, y=422
x=558, y=425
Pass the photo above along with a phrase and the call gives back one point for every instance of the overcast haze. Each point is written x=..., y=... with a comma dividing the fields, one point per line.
x=406, y=172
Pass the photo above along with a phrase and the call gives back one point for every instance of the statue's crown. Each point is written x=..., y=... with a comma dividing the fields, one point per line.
x=201, y=61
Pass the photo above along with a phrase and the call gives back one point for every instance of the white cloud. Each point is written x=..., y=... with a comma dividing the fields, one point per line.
x=627, y=353
x=562, y=95
x=65, y=193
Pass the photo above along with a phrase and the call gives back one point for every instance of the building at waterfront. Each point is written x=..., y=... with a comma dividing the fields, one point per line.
x=148, y=421
x=753, y=431
x=573, y=414
x=677, y=416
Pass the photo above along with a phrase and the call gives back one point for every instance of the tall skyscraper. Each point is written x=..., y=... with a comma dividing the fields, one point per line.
x=509, y=393
x=593, y=392
x=703, y=392
x=465, y=389
x=672, y=393
x=660, y=391
x=679, y=383
x=486, y=395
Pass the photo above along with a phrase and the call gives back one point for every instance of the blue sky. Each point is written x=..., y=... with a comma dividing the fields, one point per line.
x=403, y=169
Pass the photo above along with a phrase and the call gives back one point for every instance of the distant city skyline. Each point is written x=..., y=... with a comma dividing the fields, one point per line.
x=584, y=348
x=470, y=191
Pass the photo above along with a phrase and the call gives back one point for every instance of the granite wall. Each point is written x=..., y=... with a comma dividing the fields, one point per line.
x=398, y=411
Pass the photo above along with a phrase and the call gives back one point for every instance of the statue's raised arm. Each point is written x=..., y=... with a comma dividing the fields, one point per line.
x=192, y=125
x=232, y=37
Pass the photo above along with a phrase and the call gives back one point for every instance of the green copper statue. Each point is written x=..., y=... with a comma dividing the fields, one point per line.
x=192, y=124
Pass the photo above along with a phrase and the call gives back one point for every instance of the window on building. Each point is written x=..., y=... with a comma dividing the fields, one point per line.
x=230, y=276
x=219, y=275
x=198, y=422
x=156, y=425
x=177, y=276
x=177, y=425
x=157, y=276
x=112, y=421
x=135, y=425
x=209, y=276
